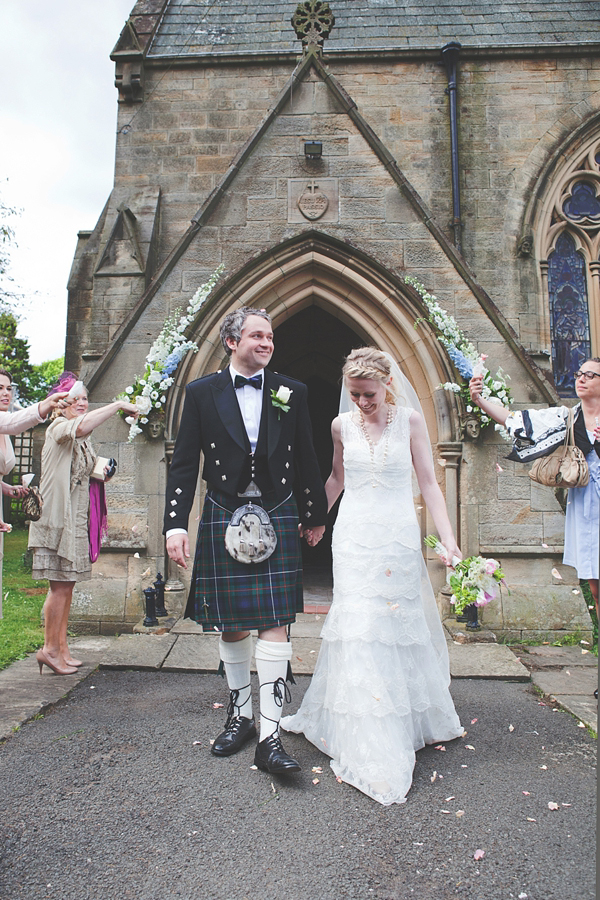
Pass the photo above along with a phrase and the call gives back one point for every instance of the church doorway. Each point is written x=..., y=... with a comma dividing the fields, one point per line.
x=311, y=346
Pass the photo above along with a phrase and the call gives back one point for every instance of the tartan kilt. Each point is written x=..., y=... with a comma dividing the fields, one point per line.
x=227, y=595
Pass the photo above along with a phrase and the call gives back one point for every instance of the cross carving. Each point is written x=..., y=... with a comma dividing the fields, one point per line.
x=312, y=22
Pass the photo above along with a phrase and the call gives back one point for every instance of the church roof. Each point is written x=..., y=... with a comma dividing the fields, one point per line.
x=199, y=27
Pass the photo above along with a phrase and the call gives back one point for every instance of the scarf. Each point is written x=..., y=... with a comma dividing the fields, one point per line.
x=97, y=526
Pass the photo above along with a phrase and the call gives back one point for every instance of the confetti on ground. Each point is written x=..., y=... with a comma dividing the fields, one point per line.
x=523, y=896
x=317, y=770
x=575, y=591
x=212, y=742
x=553, y=805
x=473, y=721
x=312, y=651
x=587, y=643
x=299, y=658
x=499, y=468
x=529, y=819
x=580, y=725
x=217, y=705
x=441, y=747
x=433, y=777
x=196, y=743
x=338, y=779
x=556, y=574
x=583, y=650
x=479, y=854
x=469, y=747
x=445, y=811
x=273, y=788
x=566, y=804
x=464, y=734
x=147, y=572
x=527, y=794
x=543, y=767
x=545, y=546
x=448, y=799
x=511, y=727
x=460, y=813
x=315, y=781
x=255, y=768
x=442, y=462
x=136, y=555
x=464, y=766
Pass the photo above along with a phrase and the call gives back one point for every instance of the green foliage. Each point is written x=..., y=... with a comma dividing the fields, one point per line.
x=14, y=354
x=44, y=376
x=21, y=631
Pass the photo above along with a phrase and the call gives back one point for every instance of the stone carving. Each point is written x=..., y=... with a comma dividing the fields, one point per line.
x=525, y=245
x=312, y=22
x=470, y=427
x=312, y=202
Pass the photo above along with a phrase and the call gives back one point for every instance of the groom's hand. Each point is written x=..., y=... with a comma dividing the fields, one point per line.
x=178, y=548
x=314, y=535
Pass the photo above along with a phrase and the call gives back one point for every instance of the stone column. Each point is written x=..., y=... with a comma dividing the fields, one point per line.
x=451, y=453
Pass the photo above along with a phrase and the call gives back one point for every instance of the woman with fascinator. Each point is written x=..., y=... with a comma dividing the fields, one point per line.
x=380, y=690
x=63, y=543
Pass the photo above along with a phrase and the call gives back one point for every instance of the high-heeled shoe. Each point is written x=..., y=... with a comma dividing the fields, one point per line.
x=44, y=660
x=73, y=662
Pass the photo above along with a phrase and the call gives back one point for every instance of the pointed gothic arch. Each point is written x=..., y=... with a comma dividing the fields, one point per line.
x=314, y=269
x=565, y=227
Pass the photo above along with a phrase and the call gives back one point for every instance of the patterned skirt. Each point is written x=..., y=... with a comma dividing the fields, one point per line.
x=227, y=595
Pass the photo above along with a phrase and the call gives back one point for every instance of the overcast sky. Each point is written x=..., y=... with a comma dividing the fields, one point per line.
x=58, y=109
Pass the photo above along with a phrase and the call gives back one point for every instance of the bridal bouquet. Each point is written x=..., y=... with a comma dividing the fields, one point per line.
x=148, y=391
x=473, y=580
x=465, y=359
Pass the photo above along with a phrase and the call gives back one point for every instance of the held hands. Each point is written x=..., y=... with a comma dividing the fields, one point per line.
x=312, y=535
x=178, y=548
x=475, y=387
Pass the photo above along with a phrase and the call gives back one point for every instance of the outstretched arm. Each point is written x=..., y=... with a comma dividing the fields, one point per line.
x=430, y=489
x=96, y=417
x=494, y=410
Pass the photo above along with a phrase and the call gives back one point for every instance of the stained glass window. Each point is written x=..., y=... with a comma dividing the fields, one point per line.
x=569, y=313
x=583, y=203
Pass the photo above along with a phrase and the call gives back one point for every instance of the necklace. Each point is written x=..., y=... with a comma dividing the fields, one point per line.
x=369, y=440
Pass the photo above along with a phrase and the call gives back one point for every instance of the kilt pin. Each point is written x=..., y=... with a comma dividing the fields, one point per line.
x=227, y=595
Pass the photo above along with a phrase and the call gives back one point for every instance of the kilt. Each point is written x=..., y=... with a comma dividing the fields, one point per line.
x=227, y=595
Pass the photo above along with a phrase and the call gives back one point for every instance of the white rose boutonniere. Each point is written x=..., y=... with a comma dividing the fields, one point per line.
x=280, y=399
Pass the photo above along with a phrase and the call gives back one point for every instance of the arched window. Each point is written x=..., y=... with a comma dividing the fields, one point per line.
x=568, y=239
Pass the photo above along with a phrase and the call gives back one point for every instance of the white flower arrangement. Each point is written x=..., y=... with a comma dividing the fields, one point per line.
x=465, y=359
x=170, y=347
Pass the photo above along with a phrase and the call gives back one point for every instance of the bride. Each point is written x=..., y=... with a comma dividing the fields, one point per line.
x=380, y=687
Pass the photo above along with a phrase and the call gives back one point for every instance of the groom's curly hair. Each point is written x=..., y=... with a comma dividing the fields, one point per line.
x=232, y=324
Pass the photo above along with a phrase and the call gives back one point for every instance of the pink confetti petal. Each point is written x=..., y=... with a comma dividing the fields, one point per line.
x=479, y=854
x=441, y=747
x=388, y=572
x=499, y=468
x=545, y=546
x=317, y=770
x=553, y=805
x=338, y=779
x=433, y=777
x=217, y=705
x=469, y=747
x=195, y=743
x=511, y=727
x=473, y=721
x=315, y=781
x=529, y=819
x=527, y=794
x=459, y=813
x=556, y=574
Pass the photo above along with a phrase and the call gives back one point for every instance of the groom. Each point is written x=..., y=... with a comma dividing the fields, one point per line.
x=253, y=428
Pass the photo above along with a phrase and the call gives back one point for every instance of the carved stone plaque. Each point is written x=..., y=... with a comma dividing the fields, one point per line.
x=313, y=200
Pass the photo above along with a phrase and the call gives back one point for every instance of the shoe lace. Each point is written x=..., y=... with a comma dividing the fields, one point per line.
x=233, y=704
x=281, y=692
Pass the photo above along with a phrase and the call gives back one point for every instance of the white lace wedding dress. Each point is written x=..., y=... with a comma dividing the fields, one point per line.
x=380, y=687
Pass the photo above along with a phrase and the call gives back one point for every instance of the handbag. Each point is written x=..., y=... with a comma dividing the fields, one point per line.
x=32, y=504
x=102, y=463
x=566, y=467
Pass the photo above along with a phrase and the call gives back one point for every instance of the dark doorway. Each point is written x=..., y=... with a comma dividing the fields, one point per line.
x=311, y=346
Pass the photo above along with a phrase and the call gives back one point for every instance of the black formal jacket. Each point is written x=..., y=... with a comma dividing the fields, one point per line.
x=285, y=458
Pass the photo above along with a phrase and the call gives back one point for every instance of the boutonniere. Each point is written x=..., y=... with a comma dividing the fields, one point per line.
x=280, y=399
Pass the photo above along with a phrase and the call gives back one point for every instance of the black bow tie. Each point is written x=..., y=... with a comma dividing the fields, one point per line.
x=255, y=381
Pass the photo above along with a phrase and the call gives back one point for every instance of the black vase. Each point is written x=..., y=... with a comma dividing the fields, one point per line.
x=471, y=617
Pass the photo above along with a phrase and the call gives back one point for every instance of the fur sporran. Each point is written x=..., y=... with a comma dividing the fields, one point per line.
x=32, y=504
x=566, y=467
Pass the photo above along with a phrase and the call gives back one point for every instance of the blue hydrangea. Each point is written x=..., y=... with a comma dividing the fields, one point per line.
x=461, y=362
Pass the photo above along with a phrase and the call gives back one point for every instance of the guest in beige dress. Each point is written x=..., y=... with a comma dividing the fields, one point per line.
x=15, y=423
x=60, y=539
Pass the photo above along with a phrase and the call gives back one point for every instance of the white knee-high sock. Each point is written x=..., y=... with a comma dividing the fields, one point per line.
x=272, y=659
x=236, y=656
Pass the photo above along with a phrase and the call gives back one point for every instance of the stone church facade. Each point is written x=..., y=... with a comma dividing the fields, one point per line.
x=320, y=163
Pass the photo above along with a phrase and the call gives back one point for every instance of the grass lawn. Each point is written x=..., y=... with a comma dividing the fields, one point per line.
x=22, y=601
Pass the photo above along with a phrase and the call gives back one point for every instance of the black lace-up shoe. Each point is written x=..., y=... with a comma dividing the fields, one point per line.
x=238, y=730
x=271, y=757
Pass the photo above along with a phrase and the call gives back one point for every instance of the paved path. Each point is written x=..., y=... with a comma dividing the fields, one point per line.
x=114, y=794
x=567, y=674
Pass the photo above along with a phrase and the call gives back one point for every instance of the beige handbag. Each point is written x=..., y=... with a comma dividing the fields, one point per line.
x=566, y=467
x=104, y=468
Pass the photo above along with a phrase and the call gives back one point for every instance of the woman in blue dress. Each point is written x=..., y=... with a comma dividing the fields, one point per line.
x=548, y=426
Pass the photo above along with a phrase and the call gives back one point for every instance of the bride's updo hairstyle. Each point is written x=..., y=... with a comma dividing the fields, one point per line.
x=368, y=362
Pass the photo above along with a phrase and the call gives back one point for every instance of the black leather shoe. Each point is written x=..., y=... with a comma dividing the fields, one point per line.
x=271, y=757
x=238, y=730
